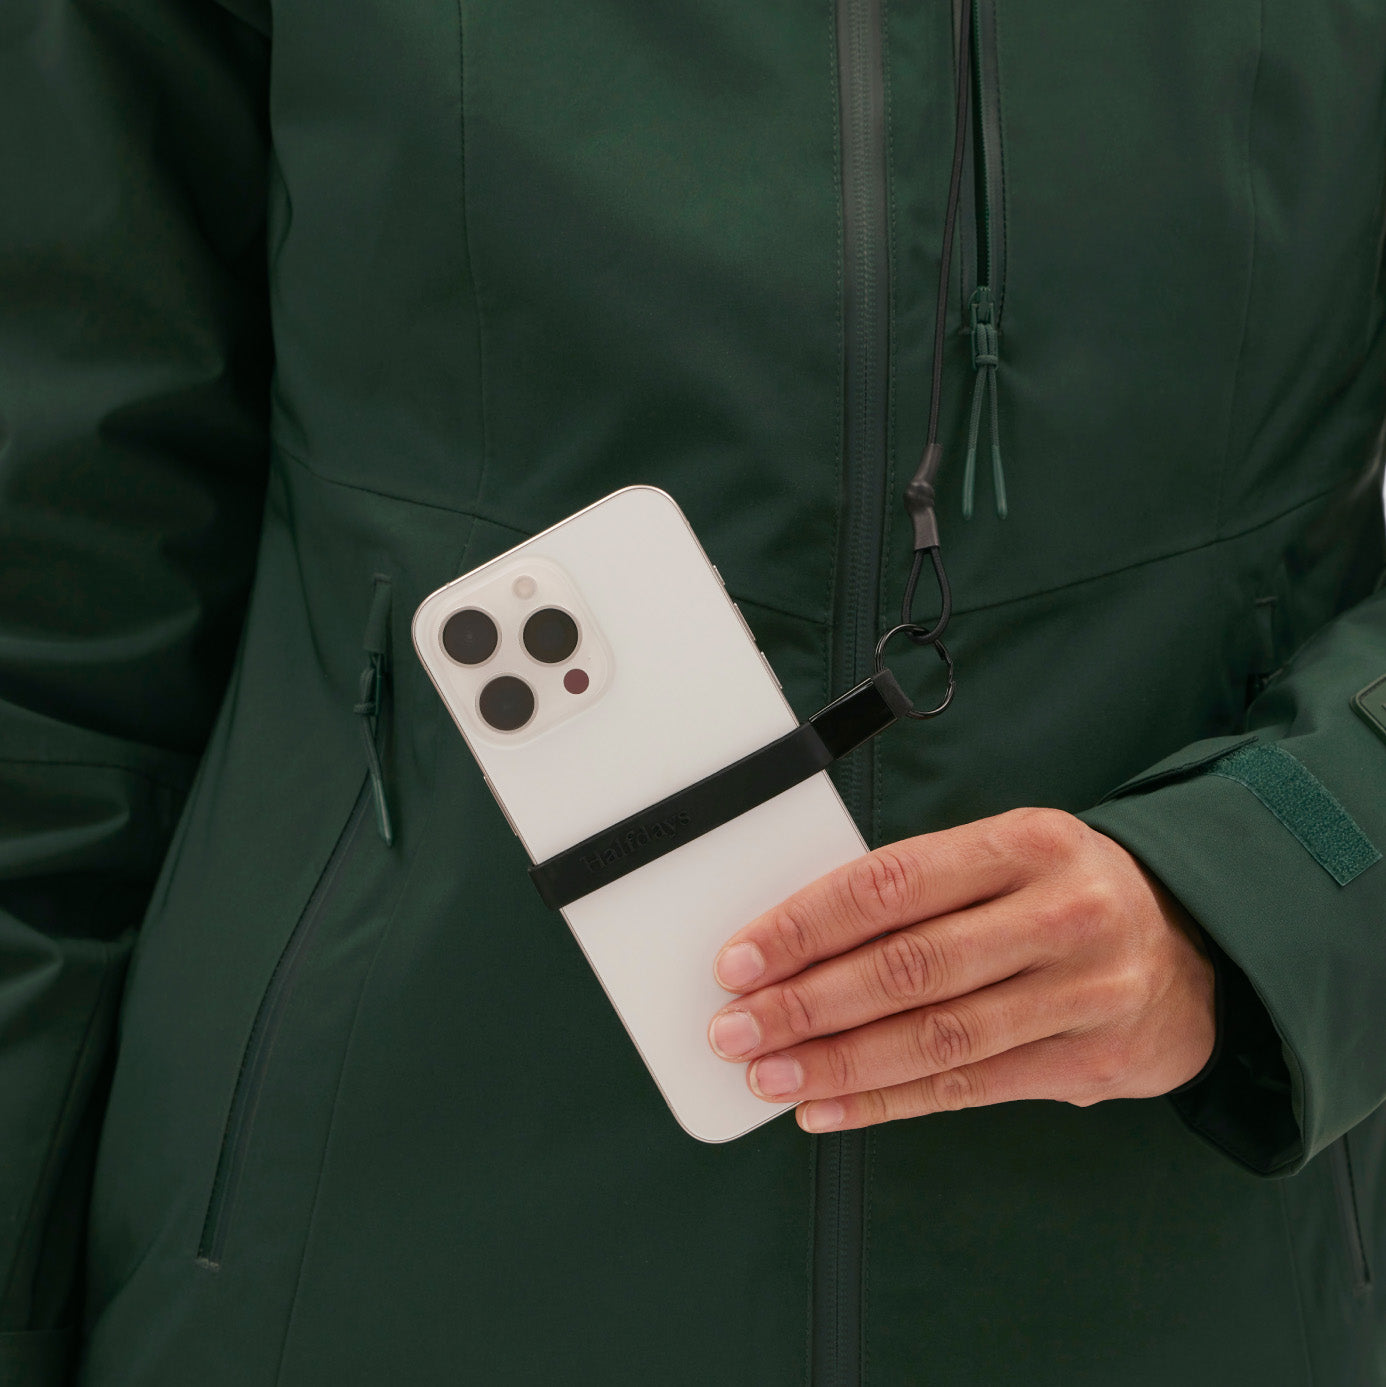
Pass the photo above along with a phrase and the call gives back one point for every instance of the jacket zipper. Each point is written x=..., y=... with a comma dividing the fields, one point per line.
x=1346, y=1186
x=255, y=1063
x=840, y=1159
x=984, y=261
x=990, y=218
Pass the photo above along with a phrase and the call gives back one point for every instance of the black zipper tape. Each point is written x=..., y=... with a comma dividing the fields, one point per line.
x=839, y=1183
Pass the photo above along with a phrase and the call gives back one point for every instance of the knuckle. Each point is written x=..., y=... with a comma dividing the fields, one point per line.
x=841, y=1066
x=1081, y=912
x=1130, y=985
x=1103, y=1068
x=1117, y=991
x=797, y=1011
x=879, y=884
x=872, y=1107
x=945, y=1041
x=905, y=966
x=1095, y=901
x=1044, y=835
x=793, y=935
x=957, y=1089
x=1051, y=919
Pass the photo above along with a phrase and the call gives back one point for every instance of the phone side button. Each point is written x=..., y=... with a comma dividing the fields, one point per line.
x=745, y=624
x=771, y=668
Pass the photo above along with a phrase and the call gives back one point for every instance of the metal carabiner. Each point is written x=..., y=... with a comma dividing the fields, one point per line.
x=920, y=636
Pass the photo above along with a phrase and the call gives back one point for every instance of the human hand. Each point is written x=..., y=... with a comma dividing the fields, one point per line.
x=1021, y=956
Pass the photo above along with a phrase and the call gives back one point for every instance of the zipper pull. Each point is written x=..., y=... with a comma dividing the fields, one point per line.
x=371, y=691
x=986, y=357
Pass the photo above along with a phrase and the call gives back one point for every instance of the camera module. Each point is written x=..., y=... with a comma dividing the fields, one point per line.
x=506, y=703
x=470, y=636
x=550, y=635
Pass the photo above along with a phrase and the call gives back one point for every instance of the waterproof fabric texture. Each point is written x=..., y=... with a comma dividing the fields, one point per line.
x=302, y=305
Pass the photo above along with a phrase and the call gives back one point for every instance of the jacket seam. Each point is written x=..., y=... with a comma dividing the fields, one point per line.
x=34, y=1212
x=263, y=29
x=1251, y=270
x=1293, y=1251
x=168, y=786
x=283, y=448
x=477, y=514
x=1214, y=543
x=332, y=1121
x=465, y=208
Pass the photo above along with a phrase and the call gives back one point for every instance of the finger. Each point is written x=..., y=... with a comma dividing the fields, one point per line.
x=945, y=957
x=899, y=884
x=1038, y=1070
x=918, y=1044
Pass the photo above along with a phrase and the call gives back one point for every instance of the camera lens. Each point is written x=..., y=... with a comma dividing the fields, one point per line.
x=550, y=635
x=506, y=703
x=470, y=636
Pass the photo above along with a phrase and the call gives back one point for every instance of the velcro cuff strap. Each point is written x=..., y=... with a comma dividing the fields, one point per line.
x=1326, y=831
x=709, y=803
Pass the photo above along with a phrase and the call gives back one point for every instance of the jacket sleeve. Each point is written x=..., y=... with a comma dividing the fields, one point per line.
x=133, y=385
x=1272, y=842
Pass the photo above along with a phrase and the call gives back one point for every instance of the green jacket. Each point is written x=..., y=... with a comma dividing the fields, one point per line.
x=303, y=313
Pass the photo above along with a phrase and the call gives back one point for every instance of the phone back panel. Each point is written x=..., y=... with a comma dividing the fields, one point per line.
x=684, y=691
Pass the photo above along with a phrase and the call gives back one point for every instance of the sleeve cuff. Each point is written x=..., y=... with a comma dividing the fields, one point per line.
x=1240, y=1101
x=1283, y=1080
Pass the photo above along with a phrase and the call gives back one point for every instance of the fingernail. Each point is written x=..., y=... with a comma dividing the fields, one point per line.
x=822, y=1117
x=733, y=1034
x=776, y=1075
x=739, y=966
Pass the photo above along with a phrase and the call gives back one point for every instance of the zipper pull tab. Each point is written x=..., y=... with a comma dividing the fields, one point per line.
x=986, y=357
x=371, y=691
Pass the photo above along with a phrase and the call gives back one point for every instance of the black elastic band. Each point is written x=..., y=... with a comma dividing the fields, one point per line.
x=709, y=803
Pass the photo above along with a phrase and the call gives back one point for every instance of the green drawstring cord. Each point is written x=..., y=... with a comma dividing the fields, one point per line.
x=985, y=359
x=372, y=689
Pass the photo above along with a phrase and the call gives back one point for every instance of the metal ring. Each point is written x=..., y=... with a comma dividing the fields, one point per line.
x=914, y=631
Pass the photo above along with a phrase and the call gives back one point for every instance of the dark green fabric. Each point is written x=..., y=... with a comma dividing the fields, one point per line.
x=1324, y=829
x=296, y=297
x=36, y=1359
x=1371, y=705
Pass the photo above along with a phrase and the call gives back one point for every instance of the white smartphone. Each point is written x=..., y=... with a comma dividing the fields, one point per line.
x=594, y=670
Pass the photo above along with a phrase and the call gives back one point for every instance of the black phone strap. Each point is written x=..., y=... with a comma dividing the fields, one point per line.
x=717, y=799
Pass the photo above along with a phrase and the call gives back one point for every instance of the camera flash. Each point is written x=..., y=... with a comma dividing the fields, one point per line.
x=576, y=681
x=525, y=587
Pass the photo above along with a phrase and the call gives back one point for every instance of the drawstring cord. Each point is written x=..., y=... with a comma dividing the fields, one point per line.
x=985, y=359
x=371, y=693
x=920, y=493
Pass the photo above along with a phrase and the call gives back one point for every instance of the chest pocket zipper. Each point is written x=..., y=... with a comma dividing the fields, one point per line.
x=371, y=697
